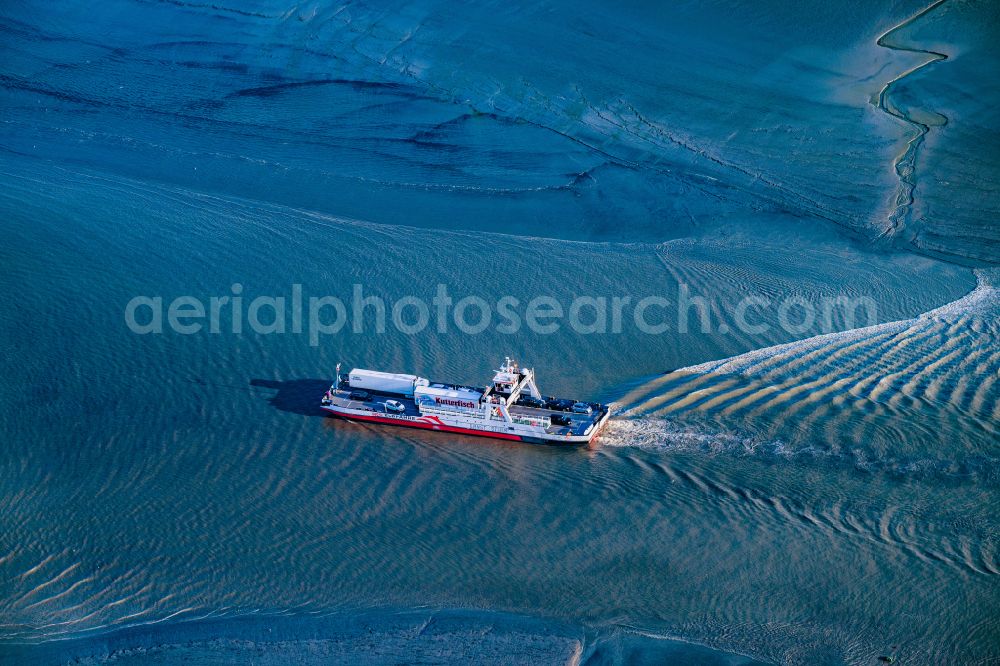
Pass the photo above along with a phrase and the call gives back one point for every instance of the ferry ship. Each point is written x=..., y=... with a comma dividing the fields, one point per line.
x=511, y=407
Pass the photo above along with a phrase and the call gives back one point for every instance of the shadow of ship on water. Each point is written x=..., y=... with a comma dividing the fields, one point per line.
x=298, y=396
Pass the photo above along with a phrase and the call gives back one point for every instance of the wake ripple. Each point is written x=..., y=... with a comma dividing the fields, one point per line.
x=911, y=396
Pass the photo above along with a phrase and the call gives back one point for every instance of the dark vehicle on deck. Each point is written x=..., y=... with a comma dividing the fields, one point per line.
x=529, y=401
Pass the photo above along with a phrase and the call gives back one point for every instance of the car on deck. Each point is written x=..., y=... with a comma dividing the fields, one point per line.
x=530, y=401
